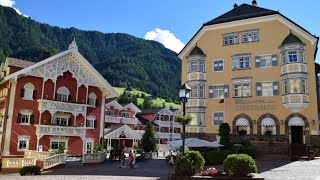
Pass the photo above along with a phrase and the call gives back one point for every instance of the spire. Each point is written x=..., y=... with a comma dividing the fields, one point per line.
x=235, y=5
x=73, y=45
x=254, y=3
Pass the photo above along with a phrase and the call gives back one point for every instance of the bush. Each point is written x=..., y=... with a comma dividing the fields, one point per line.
x=30, y=170
x=61, y=148
x=189, y=164
x=251, y=151
x=239, y=165
x=216, y=157
x=97, y=148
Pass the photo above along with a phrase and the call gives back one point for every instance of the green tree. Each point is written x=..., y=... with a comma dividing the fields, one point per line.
x=149, y=141
x=224, y=133
x=147, y=103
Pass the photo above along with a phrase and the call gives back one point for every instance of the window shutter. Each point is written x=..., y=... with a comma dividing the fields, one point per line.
x=69, y=98
x=274, y=60
x=22, y=93
x=87, y=124
x=216, y=65
x=69, y=122
x=95, y=123
x=97, y=102
x=257, y=61
x=275, y=88
x=56, y=96
x=210, y=91
x=259, y=89
x=34, y=96
x=32, y=119
x=19, y=118
x=87, y=100
x=226, y=90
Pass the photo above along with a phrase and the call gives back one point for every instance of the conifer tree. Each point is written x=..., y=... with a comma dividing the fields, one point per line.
x=149, y=141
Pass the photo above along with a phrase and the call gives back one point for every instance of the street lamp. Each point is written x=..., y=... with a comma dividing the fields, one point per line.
x=184, y=94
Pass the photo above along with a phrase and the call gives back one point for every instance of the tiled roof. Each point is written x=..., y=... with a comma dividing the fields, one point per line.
x=13, y=62
x=290, y=39
x=150, y=111
x=244, y=11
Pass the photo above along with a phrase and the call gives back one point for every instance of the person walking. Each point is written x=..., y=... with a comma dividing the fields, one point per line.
x=170, y=164
x=131, y=159
x=122, y=157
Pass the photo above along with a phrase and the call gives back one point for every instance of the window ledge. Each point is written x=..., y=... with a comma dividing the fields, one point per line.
x=21, y=150
x=241, y=69
x=28, y=124
x=242, y=97
x=90, y=128
x=249, y=41
x=29, y=99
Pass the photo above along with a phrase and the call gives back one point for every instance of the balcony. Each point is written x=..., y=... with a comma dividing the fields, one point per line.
x=163, y=135
x=122, y=120
x=167, y=124
x=60, y=130
x=125, y=120
x=295, y=102
x=111, y=119
x=194, y=76
x=54, y=106
x=196, y=103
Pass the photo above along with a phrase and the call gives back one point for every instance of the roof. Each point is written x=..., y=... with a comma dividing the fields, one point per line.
x=244, y=11
x=196, y=51
x=116, y=131
x=145, y=121
x=13, y=62
x=150, y=111
x=291, y=39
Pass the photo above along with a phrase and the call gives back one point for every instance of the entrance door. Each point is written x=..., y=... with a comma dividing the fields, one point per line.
x=296, y=135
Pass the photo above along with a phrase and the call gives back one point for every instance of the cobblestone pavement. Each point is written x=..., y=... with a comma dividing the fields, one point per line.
x=157, y=169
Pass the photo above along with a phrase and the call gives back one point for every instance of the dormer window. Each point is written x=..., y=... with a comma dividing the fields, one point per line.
x=63, y=94
x=28, y=91
x=92, y=100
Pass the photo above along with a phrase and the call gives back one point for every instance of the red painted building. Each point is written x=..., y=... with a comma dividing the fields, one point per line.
x=57, y=101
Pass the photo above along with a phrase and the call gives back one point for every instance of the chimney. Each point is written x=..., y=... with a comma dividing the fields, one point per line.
x=254, y=3
x=235, y=5
x=45, y=55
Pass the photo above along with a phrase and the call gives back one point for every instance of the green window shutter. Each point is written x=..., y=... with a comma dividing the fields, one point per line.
x=275, y=88
x=226, y=90
x=210, y=91
x=259, y=89
x=274, y=60
x=257, y=61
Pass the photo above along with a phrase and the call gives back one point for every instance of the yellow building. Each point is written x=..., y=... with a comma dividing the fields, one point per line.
x=255, y=69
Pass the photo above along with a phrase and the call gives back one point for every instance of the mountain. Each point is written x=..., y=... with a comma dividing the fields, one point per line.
x=124, y=60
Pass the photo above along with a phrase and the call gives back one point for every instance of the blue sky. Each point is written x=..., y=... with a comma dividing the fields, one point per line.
x=181, y=18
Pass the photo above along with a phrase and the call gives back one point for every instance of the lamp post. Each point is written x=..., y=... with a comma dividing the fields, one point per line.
x=184, y=94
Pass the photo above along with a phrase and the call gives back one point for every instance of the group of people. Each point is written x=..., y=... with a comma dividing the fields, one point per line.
x=132, y=159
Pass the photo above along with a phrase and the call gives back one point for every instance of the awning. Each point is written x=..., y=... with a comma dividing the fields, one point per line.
x=195, y=142
x=242, y=122
x=268, y=122
x=296, y=121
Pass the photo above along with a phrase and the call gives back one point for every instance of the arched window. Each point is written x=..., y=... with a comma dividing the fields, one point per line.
x=28, y=91
x=91, y=122
x=63, y=94
x=92, y=100
x=25, y=117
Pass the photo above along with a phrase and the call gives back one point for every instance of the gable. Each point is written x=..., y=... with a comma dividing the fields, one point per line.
x=69, y=60
x=115, y=104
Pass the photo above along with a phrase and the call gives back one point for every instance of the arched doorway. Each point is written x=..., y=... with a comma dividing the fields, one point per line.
x=242, y=122
x=296, y=125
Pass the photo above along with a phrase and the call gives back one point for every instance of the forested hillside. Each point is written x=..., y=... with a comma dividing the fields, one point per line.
x=124, y=60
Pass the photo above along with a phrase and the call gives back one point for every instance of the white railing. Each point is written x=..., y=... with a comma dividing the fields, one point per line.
x=111, y=119
x=54, y=161
x=18, y=162
x=167, y=124
x=125, y=120
x=163, y=135
x=60, y=130
x=37, y=154
x=50, y=105
x=94, y=157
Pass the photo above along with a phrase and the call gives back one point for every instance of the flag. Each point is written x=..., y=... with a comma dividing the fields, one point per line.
x=221, y=99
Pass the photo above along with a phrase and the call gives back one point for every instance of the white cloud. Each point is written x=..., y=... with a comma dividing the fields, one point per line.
x=11, y=3
x=166, y=38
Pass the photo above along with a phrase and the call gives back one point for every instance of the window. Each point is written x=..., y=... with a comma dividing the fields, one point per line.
x=197, y=66
x=230, y=39
x=194, y=120
x=218, y=118
x=89, y=146
x=63, y=94
x=125, y=114
x=267, y=88
x=241, y=63
x=92, y=99
x=201, y=93
x=61, y=121
x=28, y=91
x=194, y=91
x=218, y=91
x=242, y=88
x=109, y=113
x=56, y=144
x=250, y=36
x=23, y=143
x=294, y=86
x=90, y=121
x=201, y=66
x=218, y=66
x=265, y=61
x=25, y=117
x=292, y=56
x=194, y=66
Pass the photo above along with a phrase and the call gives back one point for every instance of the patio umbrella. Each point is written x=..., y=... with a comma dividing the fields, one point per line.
x=195, y=142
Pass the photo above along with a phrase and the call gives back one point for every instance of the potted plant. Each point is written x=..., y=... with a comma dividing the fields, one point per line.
x=184, y=120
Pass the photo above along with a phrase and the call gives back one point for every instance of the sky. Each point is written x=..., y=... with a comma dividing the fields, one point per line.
x=170, y=22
